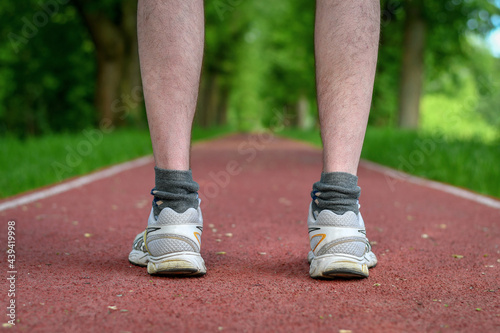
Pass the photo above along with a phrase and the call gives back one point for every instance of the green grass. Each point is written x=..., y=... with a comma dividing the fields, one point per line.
x=469, y=163
x=35, y=162
x=457, y=115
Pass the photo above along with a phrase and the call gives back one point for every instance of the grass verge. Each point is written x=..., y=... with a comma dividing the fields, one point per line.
x=472, y=164
x=35, y=162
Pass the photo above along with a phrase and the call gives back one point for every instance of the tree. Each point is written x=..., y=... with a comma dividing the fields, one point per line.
x=434, y=36
x=46, y=69
x=112, y=27
x=412, y=73
x=224, y=28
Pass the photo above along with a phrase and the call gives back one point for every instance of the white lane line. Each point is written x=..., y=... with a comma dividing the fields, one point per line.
x=397, y=175
x=404, y=177
x=42, y=194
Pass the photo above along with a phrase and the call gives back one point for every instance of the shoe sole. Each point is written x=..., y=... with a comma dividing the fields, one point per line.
x=177, y=264
x=138, y=258
x=331, y=266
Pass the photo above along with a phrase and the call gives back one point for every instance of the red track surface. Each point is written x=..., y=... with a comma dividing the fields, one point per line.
x=67, y=282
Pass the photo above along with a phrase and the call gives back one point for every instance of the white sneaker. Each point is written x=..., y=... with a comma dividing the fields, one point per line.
x=339, y=247
x=171, y=243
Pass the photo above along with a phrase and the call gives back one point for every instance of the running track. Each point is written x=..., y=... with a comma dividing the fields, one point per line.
x=73, y=273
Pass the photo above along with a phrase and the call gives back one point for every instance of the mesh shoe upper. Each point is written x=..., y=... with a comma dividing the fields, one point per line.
x=171, y=232
x=330, y=233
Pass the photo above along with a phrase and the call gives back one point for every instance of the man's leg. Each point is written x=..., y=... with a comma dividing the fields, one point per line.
x=346, y=42
x=171, y=37
x=346, y=45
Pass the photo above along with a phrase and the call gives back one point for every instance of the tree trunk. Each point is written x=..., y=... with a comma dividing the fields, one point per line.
x=131, y=84
x=213, y=101
x=118, y=84
x=200, y=105
x=203, y=100
x=109, y=74
x=302, y=111
x=208, y=100
x=290, y=116
x=413, y=65
x=109, y=45
x=223, y=105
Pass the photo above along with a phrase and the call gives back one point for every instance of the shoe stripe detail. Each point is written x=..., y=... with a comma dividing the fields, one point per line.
x=144, y=240
x=138, y=244
x=152, y=229
x=197, y=235
x=323, y=236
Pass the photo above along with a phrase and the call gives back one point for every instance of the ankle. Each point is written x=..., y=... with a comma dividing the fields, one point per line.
x=175, y=189
x=336, y=191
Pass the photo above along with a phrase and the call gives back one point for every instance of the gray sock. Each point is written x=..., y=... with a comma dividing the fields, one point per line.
x=175, y=189
x=336, y=191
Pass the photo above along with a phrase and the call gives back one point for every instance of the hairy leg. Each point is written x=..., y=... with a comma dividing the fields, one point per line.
x=346, y=45
x=171, y=37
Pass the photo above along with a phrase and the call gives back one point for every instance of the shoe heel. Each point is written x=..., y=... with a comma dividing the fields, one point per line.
x=346, y=269
x=180, y=264
x=334, y=266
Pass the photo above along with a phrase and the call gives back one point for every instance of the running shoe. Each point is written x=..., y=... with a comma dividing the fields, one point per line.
x=339, y=247
x=171, y=243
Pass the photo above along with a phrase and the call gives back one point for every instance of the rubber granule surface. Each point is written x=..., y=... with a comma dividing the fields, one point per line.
x=438, y=269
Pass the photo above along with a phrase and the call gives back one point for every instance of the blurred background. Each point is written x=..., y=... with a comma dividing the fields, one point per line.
x=71, y=97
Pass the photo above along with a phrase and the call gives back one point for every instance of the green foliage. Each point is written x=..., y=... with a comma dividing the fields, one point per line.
x=488, y=107
x=487, y=82
x=453, y=51
x=261, y=52
x=46, y=70
x=385, y=91
x=443, y=113
x=264, y=50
